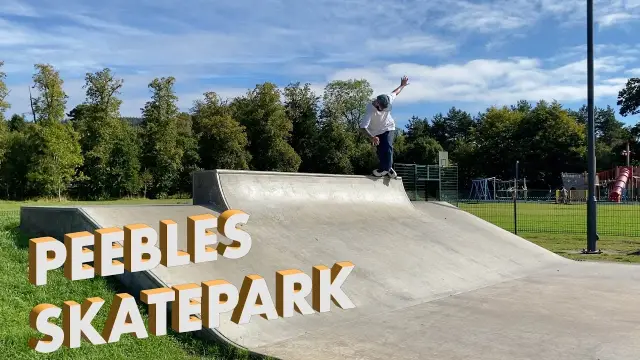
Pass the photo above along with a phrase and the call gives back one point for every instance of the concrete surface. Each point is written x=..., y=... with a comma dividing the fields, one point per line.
x=430, y=282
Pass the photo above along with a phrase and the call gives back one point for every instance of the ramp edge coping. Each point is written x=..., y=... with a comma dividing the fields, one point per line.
x=276, y=173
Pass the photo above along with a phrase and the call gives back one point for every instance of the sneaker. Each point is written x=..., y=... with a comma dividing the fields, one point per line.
x=378, y=173
x=392, y=174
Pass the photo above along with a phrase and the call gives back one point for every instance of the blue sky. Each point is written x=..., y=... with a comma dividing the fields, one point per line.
x=465, y=53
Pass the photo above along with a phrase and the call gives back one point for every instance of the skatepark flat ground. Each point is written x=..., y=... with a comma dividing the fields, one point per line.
x=430, y=281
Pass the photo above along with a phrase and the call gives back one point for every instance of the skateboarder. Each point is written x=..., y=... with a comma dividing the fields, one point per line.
x=379, y=126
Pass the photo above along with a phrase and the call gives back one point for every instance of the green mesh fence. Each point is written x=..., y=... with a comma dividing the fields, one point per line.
x=429, y=182
x=550, y=216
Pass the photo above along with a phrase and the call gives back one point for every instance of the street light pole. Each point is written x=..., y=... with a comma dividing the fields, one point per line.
x=631, y=188
x=592, y=235
x=627, y=152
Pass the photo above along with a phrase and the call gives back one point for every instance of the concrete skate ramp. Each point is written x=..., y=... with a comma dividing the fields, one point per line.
x=434, y=282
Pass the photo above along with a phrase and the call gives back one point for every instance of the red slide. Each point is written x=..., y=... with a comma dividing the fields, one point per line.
x=621, y=182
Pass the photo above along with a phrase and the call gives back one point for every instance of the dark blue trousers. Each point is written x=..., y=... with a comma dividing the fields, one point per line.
x=385, y=150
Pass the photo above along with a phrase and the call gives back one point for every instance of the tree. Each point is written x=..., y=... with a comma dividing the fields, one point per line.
x=162, y=155
x=523, y=106
x=549, y=142
x=20, y=155
x=580, y=115
x=17, y=123
x=4, y=143
x=608, y=128
x=448, y=129
x=301, y=105
x=5, y=127
x=50, y=102
x=4, y=92
x=418, y=128
x=421, y=147
x=58, y=157
x=423, y=150
x=629, y=98
x=334, y=148
x=497, y=142
x=400, y=145
x=188, y=144
x=611, y=137
x=268, y=129
x=98, y=122
x=346, y=101
x=222, y=140
x=124, y=161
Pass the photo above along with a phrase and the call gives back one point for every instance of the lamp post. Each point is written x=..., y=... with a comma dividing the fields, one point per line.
x=592, y=235
x=627, y=153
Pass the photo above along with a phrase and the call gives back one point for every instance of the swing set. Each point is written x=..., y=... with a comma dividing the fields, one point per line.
x=495, y=189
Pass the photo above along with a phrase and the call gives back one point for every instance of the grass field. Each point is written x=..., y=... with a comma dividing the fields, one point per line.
x=18, y=297
x=562, y=228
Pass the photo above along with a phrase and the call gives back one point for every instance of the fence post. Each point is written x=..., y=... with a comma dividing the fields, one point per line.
x=515, y=202
x=415, y=182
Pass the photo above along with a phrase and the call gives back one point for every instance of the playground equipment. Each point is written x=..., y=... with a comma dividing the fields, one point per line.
x=618, y=186
x=620, y=183
x=506, y=189
x=495, y=189
x=576, y=181
x=480, y=189
x=571, y=196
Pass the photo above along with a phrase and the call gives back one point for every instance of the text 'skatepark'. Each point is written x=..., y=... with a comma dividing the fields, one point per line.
x=144, y=249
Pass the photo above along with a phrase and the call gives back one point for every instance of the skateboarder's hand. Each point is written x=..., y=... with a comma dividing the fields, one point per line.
x=404, y=81
x=375, y=140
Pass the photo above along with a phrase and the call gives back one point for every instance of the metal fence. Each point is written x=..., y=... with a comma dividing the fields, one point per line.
x=429, y=182
x=533, y=211
x=547, y=215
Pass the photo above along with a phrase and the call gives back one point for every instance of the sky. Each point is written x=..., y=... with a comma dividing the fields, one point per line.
x=470, y=54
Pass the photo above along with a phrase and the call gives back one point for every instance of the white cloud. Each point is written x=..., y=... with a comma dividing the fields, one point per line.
x=488, y=81
x=408, y=45
x=488, y=17
x=498, y=16
x=17, y=8
x=229, y=47
x=615, y=19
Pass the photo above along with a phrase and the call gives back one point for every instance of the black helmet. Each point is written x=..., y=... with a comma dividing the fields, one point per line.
x=384, y=101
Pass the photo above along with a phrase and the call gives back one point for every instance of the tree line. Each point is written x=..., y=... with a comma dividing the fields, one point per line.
x=92, y=152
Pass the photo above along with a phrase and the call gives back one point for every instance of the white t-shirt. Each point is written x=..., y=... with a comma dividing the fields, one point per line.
x=378, y=122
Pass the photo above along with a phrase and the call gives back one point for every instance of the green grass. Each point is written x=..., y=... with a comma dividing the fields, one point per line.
x=614, y=249
x=562, y=228
x=15, y=205
x=18, y=297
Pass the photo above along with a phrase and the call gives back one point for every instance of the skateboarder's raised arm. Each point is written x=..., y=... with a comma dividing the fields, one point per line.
x=403, y=82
